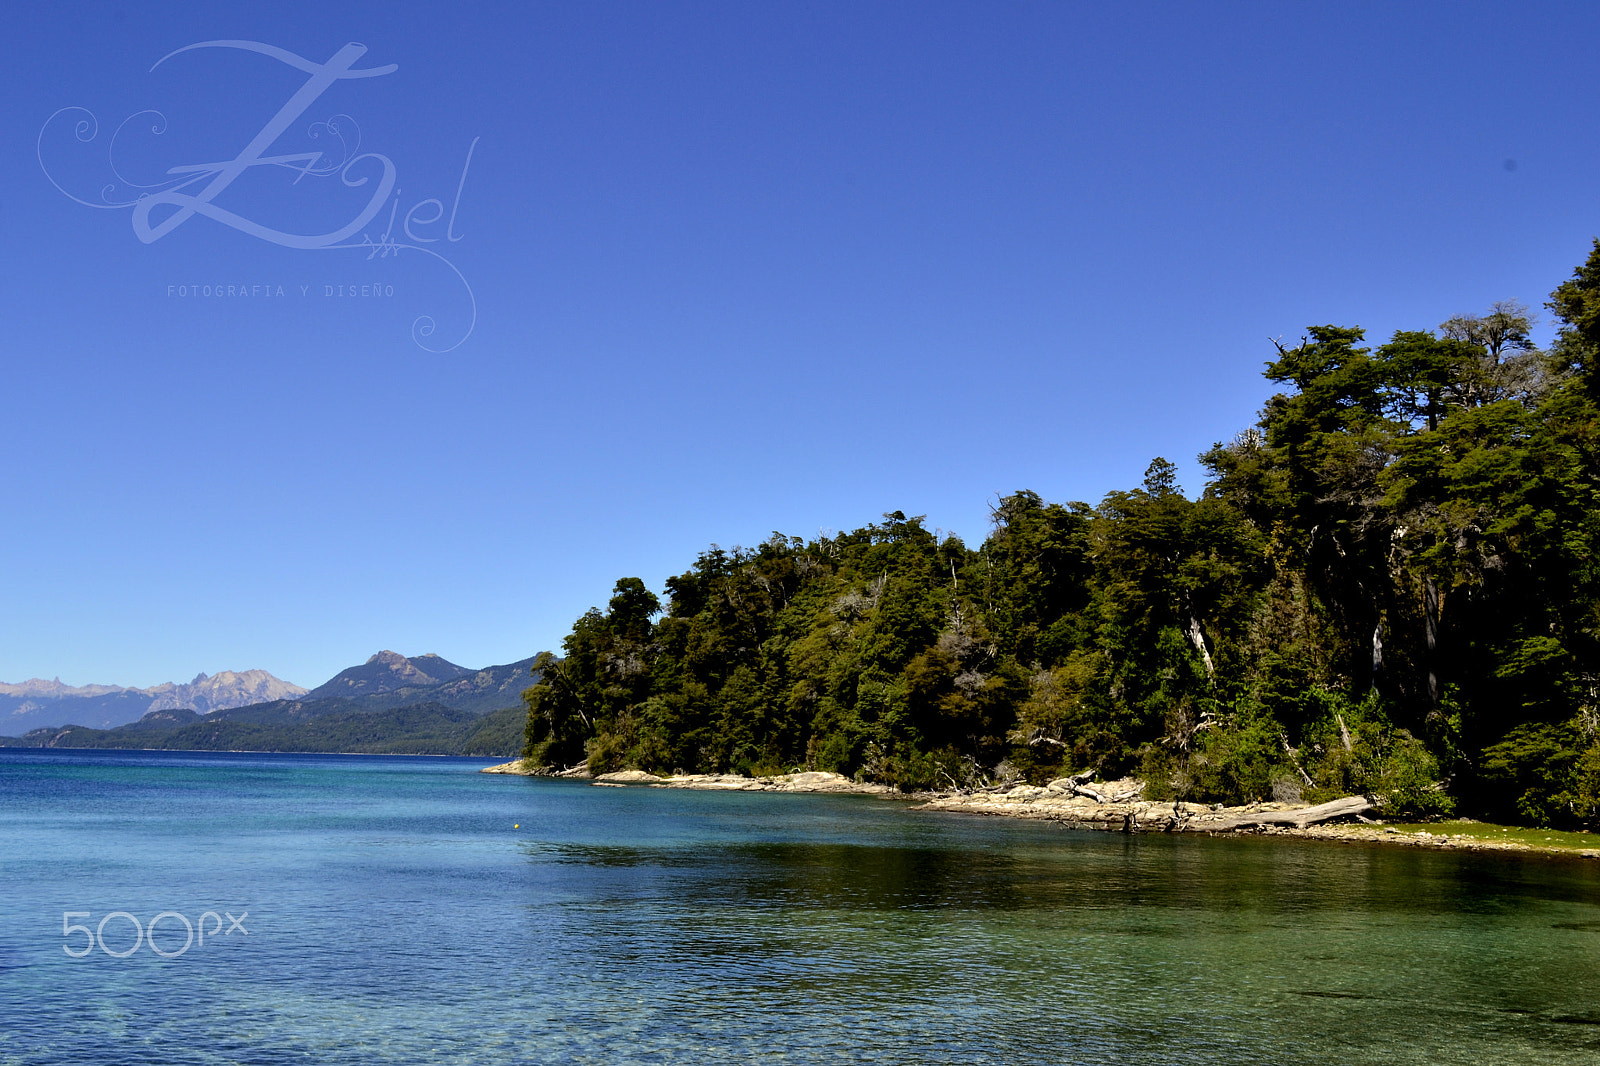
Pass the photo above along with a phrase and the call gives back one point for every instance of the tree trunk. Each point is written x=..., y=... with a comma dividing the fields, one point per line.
x=1322, y=812
x=1430, y=603
x=1287, y=750
x=1199, y=641
x=1377, y=652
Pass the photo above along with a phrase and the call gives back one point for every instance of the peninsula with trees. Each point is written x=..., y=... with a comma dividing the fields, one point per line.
x=1389, y=587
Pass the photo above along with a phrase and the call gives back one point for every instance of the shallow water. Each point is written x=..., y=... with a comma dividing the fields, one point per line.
x=395, y=915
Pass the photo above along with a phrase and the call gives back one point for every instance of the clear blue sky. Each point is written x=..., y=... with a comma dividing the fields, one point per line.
x=737, y=268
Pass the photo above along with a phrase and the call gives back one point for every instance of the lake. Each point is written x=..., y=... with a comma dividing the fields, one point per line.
x=411, y=910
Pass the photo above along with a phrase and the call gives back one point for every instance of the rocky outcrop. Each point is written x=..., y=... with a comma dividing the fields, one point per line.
x=803, y=781
x=515, y=766
x=629, y=777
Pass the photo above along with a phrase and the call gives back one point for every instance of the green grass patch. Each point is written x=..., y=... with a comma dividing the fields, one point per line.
x=1543, y=838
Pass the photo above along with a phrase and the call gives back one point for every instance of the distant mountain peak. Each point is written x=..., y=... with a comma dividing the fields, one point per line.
x=55, y=689
x=217, y=692
x=37, y=702
x=373, y=688
x=387, y=671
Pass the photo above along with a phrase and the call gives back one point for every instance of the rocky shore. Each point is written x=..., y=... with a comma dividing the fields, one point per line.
x=1057, y=804
x=805, y=781
x=1113, y=807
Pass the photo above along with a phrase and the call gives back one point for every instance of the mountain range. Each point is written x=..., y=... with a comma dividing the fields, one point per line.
x=35, y=703
x=390, y=703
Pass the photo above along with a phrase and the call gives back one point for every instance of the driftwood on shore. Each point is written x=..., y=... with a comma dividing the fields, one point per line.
x=1070, y=799
x=1077, y=784
x=1114, y=806
x=1072, y=802
x=1300, y=818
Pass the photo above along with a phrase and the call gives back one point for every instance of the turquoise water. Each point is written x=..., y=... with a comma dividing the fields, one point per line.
x=393, y=914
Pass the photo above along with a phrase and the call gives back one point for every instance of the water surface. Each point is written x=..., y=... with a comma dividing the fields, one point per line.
x=395, y=915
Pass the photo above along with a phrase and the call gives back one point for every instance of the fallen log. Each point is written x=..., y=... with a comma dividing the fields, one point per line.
x=1301, y=818
x=1106, y=797
x=1077, y=785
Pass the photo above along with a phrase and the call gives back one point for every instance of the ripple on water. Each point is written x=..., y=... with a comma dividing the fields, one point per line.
x=395, y=918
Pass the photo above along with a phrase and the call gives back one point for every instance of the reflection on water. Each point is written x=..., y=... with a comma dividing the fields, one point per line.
x=395, y=916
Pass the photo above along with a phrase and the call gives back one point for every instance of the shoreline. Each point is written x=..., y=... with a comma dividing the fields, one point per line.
x=1061, y=802
x=257, y=751
x=814, y=781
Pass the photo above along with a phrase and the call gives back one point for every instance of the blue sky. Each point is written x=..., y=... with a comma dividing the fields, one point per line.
x=736, y=268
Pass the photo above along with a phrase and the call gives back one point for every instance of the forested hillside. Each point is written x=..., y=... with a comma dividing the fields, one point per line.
x=1388, y=585
x=328, y=725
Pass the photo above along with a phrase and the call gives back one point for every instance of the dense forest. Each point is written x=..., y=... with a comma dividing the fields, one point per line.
x=1388, y=586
